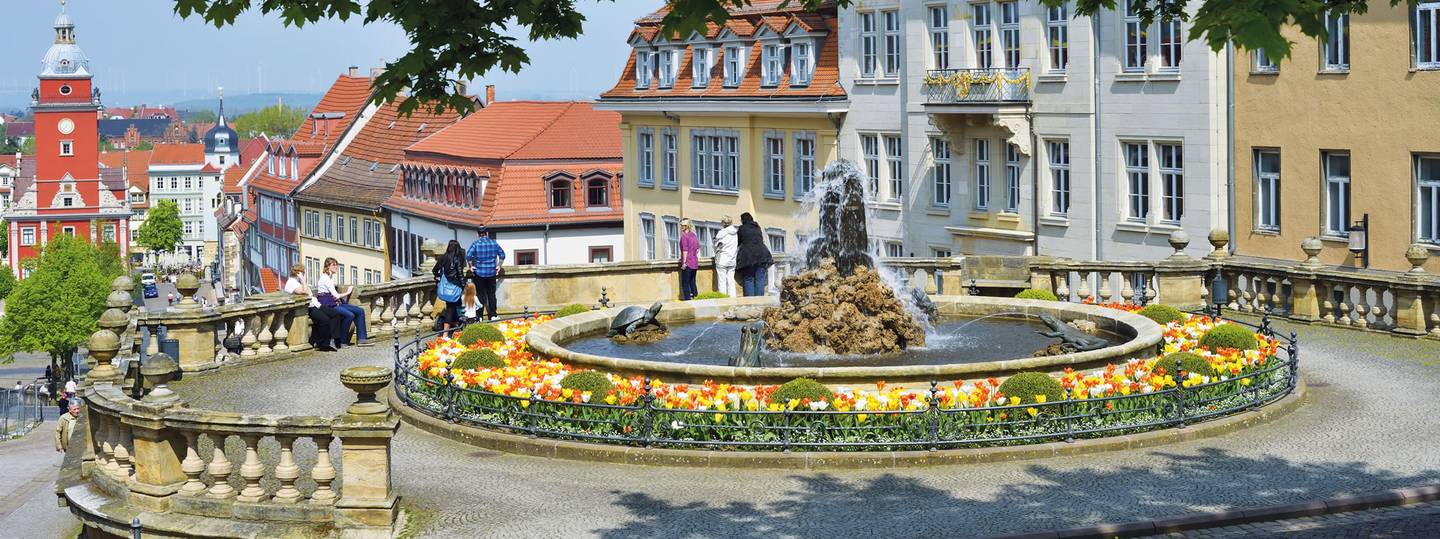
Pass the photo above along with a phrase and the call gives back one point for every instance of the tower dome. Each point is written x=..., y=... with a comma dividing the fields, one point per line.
x=64, y=59
x=221, y=138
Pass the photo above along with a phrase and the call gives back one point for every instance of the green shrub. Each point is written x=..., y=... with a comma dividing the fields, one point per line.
x=1027, y=385
x=1189, y=362
x=480, y=332
x=1229, y=336
x=1162, y=314
x=801, y=389
x=595, y=382
x=713, y=294
x=8, y=282
x=471, y=360
x=1037, y=293
x=573, y=308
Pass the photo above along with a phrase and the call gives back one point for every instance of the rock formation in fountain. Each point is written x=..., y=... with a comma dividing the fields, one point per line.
x=841, y=305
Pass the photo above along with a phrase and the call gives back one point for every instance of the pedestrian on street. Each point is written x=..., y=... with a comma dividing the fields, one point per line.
x=449, y=272
x=753, y=258
x=486, y=257
x=689, y=260
x=726, y=245
x=66, y=427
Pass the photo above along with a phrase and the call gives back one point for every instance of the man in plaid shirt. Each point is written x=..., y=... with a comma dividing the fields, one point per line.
x=485, y=257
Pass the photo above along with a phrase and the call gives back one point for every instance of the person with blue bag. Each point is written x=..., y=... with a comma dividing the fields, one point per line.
x=485, y=257
x=449, y=272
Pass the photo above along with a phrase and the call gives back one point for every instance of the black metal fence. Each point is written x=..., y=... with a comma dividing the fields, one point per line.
x=650, y=424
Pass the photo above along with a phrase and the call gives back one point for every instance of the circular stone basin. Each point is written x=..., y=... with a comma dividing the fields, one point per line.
x=999, y=341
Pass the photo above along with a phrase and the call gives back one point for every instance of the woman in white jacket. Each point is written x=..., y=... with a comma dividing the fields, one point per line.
x=726, y=246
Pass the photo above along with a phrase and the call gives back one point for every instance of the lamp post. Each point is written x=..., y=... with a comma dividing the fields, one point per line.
x=1360, y=241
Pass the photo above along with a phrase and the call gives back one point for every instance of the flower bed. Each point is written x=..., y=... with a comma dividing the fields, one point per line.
x=526, y=395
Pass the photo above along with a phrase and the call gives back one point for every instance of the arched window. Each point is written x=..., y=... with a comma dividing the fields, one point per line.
x=560, y=193
x=597, y=192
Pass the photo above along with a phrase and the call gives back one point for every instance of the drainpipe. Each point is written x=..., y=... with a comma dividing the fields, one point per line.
x=1096, y=252
x=1034, y=183
x=545, y=244
x=1230, y=143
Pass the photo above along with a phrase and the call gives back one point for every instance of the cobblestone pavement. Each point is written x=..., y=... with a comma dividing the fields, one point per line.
x=1368, y=426
x=28, y=466
x=1420, y=521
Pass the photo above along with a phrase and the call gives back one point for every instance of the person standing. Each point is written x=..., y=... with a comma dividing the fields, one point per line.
x=347, y=313
x=753, y=257
x=321, y=333
x=689, y=260
x=726, y=245
x=486, y=257
x=65, y=428
x=451, y=267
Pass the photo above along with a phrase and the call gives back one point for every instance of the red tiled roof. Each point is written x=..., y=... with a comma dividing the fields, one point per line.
x=20, y=129
x=178, y=154
x=528, y=130
x=386, y=134
x=252, y=148
x=136, y=164
x=269, y=280
x=232, y=179
x=9, y=159
x=519, y=196
x=318, y=135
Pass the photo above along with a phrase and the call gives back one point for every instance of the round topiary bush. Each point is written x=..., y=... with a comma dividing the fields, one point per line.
x=1190, y=363
x=1229, y=336
x=1162, y=314
x=1037, y=293
x=1027, y=385
x=801, y=389
x=596, y=383
x=471, y=360
x=713, y=294
x=480, y=332
x=573, y=308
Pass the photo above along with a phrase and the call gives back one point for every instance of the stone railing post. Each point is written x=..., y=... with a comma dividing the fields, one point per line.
x=120, y=298
x=368, y=505
x=1181, y=279
x=1411, y=317
x=1305, y=296
x=157, y=452
x=195, y=333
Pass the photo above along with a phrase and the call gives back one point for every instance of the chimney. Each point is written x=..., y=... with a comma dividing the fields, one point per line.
x=489, y=94
x=354, y=71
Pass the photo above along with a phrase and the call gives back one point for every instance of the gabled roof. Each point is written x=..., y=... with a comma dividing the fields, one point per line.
x=178, y=154
x=528, y=130
x=231, y=184
x=252, y=148
x=318, y=135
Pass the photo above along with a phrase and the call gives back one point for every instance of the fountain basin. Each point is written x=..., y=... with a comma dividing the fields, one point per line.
x=1138, y=337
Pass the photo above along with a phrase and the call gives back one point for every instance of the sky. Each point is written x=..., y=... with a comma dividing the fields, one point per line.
x=140, y=51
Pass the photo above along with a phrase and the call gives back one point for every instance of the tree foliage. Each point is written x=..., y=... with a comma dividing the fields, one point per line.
x=4, y=237
x=8, y=144
x=144, y=145
x=275, y=120
x=200, y=116
x=55, y=309
x=162, y=228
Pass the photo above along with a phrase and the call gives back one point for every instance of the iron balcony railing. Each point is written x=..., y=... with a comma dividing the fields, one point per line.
x=977, y=85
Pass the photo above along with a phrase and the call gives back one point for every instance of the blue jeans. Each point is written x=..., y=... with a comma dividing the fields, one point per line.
x=753, y=280
x=349, y=313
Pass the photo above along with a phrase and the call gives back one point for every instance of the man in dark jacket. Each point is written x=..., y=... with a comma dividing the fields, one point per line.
x=752, y=261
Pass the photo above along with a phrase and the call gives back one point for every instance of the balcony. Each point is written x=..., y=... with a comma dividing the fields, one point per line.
x=977, y=86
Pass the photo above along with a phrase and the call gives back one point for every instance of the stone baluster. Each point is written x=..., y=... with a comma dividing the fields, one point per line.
x=1360, y=314
x=1232, y=289
x=1105, y=290
x=1325, y=294
x=1152, y=289
x=265, y=336
x=1378, y=309
x=192, y=466
x=103, y=430
x=373, y=305
x=250, y=342
x=251, y=471
x=1127, y=292
x=1062, y=284
x=152, y=347
x=1435, y=316
x=1085, y=286
x=286, y=472
x=416, y=298
x=1346, y=318
x=282, y=330
x=387, y=309
x=220, y=470
x=323, y=473
x=121, y=452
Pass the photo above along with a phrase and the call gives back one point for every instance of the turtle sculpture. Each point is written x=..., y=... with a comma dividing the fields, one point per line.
x=630, y=319
x=1071, y=338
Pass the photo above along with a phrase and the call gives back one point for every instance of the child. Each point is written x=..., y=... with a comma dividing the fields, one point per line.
x=470, y=303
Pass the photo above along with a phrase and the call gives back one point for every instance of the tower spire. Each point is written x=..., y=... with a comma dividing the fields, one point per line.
x=221, y=121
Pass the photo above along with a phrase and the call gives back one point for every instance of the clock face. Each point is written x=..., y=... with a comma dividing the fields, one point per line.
x=66, y=126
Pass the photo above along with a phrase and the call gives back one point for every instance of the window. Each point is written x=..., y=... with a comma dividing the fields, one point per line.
x=1336, y=54
x=527, y=257
x=940, y=171
x=705, y=234
x=1172, y=181
x=108, y=233
x=70, y=230
x=340, y=228
x=895, y=157
x=870, y=147
x=174, y=183
x=67, y=148
x=1337, y=193
x=1135, y=37
x=1137, y=171
x=1426, y=30
x=1059, y=153
x=1263, y=63
x=69, y=201
x=1012, y=178
x=894, y=249
x=940, y=253
x=939, y=37
x=700, y=67
x=804, y=162
x=189, y=229
x=984, y=58
x=189, y=183
x=892, y=43
x=597, y=193
x=734, y=65
x=667, y=68
x=27, y=236
x=1010, y=33
x=644, y=68
x=982, y=174
x=600, y=255
x=1057, y=34
x=645, y=147
x=716, y=162
x=560, y=193
x=869, y=45
x=354, y=231
x=775, y=163
x=329, y=226
x=776, y=238
x=354, y=275
x=802, y=62
x=772, y=61
x=647, y=229
x=1267, y=190
x=672, y=237
x=1427, y=178
x=671, y=156
x=1172, y=44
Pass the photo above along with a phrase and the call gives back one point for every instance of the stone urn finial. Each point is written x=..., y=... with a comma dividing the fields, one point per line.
x=188, y=284
x=433, y=250
x=103, y=346
x=1417, y=255
x=119, y=299
x=122, y=283
x=366, y=380
x=1179, y=240
x=158, y=370
x=1218, y=240
x=114, y=320
x=1312, y=247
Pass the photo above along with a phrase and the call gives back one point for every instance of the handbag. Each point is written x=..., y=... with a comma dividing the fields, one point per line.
x=327, y=300
x=448, y=291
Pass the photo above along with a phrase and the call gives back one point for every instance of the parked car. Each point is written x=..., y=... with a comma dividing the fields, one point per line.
x=147, y=286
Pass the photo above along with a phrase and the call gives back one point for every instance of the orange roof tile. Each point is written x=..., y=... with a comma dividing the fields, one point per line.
x=494, y=132
x=322, y=129
x=232, y=179
x=136, y=164
x=178, y=154
x=387, y=133
x=519, y=196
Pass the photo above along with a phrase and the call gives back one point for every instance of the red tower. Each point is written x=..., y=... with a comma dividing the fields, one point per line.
x=63, y=189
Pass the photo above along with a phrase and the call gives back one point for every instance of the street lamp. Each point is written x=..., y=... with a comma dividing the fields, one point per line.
x=1359, y=240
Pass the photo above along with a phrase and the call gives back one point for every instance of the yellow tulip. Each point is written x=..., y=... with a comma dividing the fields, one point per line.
x=1040, y=399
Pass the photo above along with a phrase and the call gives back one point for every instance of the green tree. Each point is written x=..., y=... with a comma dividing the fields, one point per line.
x=200, y=116
x=55, y=309
x=28, y=147
x=4, y=238
x=162, y=229
x=144, y=145
x=7, y=283
x=8, y=144
x=274, y=120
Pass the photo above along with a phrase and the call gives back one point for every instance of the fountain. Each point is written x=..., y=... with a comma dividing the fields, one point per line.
x=840, y=304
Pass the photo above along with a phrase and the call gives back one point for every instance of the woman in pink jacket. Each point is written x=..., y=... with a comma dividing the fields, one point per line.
x=689, y=260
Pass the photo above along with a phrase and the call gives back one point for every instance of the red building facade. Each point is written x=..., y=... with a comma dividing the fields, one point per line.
x=64, y=190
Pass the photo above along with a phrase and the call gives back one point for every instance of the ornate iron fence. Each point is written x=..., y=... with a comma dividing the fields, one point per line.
x=977, y=85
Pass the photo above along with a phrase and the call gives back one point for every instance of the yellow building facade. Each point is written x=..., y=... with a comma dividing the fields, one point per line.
x=356, y=240
x=1341, y=130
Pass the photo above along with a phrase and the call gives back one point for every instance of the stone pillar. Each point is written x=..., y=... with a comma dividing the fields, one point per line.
x=1411, y=316
x=298, y=331
x=196, y=334
x=1305, y=300
x=1182, y=283
x=157, y=453
x=115, y=321
x=368, y=505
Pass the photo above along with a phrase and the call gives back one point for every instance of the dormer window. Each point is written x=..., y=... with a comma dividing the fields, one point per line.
x=734, y=65
x=597, y=193
x=270, y=165
x=772, y=64
x=644, y=68
x=295, y=166
x=667, y=67
x=802, y=62
x=700, y=66
x=560, y=193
